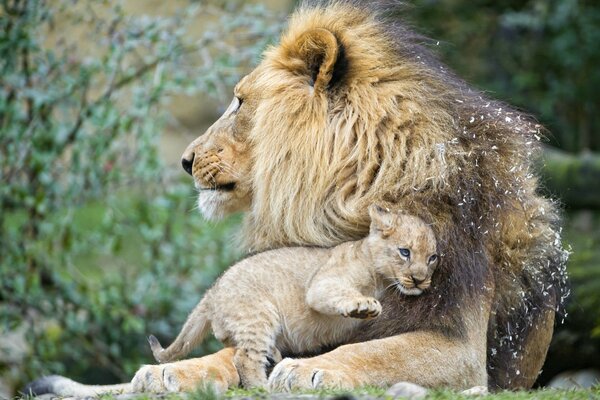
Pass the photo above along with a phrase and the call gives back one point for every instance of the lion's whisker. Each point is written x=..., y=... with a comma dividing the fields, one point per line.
x=224, y=166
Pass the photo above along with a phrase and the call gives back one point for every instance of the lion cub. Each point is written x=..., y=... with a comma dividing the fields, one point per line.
x=297, y=300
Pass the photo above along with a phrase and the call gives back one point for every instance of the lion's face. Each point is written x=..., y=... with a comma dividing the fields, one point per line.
x=220, y=161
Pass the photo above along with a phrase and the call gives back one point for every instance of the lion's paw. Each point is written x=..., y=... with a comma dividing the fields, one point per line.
x=177, y=377
x=360, y=307
x=149, y=378
x=291, y=374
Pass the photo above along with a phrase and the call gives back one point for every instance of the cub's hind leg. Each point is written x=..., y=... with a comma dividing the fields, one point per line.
x=251, y=365
x=255, y=348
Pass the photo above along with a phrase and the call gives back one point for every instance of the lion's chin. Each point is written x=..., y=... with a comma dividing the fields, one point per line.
x=216, y=204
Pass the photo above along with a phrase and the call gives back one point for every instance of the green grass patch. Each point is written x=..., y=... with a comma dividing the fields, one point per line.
x=375, y=393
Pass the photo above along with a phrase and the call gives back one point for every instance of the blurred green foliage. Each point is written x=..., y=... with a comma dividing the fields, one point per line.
x=99, y=244
x=576, y=342
x=541, y=55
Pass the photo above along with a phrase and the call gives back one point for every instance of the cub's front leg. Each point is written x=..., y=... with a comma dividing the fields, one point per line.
x=358, y=307
x=353, y=306
x=332, y=298
x=344, y=290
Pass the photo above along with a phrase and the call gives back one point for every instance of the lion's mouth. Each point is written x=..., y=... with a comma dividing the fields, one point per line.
x=225, y=187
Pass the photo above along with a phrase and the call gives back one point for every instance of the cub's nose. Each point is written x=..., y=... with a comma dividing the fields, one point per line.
x=187, y=163
x=417, y=281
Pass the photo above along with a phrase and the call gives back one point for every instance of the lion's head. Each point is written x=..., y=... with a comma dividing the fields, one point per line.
x=333, y=119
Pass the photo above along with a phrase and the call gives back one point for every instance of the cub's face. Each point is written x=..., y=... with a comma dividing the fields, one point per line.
x=403, y=248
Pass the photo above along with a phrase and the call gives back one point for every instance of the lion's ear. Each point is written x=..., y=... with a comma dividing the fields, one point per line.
x=318, y=49
x=382, y=220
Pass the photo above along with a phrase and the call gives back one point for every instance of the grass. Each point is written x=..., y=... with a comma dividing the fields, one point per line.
x=372, y=393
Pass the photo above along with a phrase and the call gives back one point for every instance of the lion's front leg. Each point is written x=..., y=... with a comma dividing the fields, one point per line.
x=424, y=358
x=216, y=370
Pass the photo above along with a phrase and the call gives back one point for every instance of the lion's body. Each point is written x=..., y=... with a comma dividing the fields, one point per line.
x=350, y=109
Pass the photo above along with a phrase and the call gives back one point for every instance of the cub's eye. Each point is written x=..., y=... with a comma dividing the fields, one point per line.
x=433, y=259
x=404, y=253
x=240, y=102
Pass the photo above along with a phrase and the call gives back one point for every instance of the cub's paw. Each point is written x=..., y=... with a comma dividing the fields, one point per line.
x=291, y=374
x=360, y=307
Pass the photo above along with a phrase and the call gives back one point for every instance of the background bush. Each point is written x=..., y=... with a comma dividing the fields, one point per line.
x=99, y=242
x=100, y=245
x=541, y=55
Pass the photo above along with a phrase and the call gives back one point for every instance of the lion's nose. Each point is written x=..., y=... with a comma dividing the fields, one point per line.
x=187, y=163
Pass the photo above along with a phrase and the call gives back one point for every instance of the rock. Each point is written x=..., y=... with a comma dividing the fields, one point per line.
x=407, y=390
x=583, y=379
x=13, y=349
x=475, y=391
x=49, y=396
x=6, y=390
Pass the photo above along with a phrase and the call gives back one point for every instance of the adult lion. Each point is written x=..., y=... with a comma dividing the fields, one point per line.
x=349, y=109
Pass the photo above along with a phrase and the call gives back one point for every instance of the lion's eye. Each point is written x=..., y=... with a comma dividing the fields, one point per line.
x=404, y=253
x=234, y=106
x=433, y=259
x=240, y=102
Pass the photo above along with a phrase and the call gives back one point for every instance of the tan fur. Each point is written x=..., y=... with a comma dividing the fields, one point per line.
x=298, y=300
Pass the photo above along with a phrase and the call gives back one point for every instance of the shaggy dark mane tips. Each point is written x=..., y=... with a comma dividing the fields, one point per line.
x=492, y=223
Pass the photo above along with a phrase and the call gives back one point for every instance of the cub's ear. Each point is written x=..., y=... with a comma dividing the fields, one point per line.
x=382, y=220
x=318, y=51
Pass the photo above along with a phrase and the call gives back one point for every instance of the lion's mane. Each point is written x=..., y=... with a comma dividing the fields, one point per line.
x=395, y=126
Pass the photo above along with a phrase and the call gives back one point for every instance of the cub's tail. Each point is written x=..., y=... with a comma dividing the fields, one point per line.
x=193, y=332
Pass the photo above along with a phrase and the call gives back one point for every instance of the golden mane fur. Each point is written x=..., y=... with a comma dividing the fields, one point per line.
x=328, y=158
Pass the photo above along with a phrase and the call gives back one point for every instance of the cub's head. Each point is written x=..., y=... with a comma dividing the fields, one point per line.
x=403, y=248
